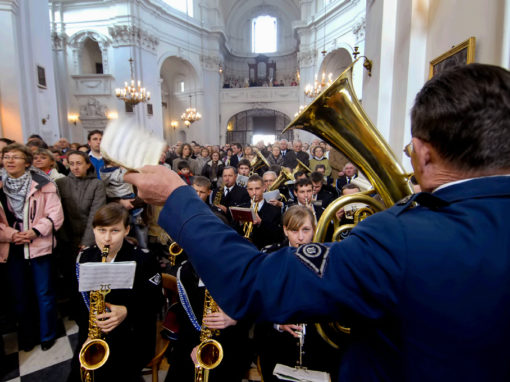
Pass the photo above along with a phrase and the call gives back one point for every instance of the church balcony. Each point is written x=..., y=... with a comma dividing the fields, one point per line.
x=260, y=95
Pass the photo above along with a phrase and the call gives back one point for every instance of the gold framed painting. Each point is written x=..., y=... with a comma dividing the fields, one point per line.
x=462, y=54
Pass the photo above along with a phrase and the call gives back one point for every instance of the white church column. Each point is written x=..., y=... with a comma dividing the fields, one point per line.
x=27, y=94
x=210, y=102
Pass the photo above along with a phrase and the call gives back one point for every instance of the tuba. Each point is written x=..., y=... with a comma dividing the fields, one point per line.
x=96, y=352
x=258, y=162
x=338, y=118
x=210, y=351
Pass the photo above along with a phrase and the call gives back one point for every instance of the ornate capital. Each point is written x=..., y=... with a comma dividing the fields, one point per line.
x=306, y=58
x=123, y=35
x=358, y=29
x=210, y=62
x=58, y=40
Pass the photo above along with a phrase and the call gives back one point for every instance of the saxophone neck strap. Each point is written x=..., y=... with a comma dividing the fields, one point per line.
x=183, y=297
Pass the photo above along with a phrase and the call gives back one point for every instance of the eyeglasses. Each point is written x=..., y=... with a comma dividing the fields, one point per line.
x=408, y=149
x=8, y=157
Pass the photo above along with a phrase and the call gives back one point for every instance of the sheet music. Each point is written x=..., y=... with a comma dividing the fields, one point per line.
x=286, y=373
x=119, y=275
x=269, y=195
x=130, y=146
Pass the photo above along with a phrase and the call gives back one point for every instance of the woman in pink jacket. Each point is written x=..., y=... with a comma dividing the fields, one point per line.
x=31, y=213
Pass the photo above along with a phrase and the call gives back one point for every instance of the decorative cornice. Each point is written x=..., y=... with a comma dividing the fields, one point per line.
x=128, y=35
x=358, y=29
x=9, y=5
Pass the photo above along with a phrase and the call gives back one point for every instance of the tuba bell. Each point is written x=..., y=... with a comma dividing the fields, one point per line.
x=338, y=118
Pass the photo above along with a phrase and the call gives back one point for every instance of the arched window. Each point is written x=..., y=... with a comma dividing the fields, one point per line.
x=91, y=58
x=185, y=6
x=263, y=34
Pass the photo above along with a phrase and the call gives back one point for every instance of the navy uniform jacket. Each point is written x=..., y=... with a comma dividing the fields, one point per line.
x=432, y=282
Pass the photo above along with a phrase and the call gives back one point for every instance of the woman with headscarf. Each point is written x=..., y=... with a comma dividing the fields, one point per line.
x=31, y=213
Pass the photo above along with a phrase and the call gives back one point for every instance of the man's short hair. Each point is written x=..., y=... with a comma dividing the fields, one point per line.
x=201, y=181
x=243, y=162
x=238, y=145
x=93, y=132
x=464, y=113
x=255, y=178
x=302, y=183
x=230, y=168
x=350, y=186
x=182, y=164
x=298, y=174
x=269, y=173
x=320, y=166
x=316, y=177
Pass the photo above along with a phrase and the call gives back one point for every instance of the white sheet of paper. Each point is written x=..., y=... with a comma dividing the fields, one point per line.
x=119, y=275
x=127, y=144
x=286, y=373
x=270, y=195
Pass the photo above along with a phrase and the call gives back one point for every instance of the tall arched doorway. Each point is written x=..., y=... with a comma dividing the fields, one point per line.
x=243, y=127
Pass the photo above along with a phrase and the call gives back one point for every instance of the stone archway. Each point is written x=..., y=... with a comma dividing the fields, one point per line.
x=244, y=125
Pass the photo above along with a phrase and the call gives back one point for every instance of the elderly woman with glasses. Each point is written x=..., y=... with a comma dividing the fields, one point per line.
x=31, y=212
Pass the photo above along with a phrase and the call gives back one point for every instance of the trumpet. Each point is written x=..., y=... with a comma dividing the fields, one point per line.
x=96, y=352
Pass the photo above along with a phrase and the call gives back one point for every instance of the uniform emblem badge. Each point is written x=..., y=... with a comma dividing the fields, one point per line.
x=314, y=256
x=156, y=279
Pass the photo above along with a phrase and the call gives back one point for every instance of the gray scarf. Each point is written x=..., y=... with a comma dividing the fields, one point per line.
x=16, y=190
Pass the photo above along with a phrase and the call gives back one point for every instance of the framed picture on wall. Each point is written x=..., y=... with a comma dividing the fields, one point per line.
x=149, y=108
x=129, y=108
x=41, y=77
x=462, y=54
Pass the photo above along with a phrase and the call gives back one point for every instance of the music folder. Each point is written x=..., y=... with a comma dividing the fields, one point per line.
x=93, y=276
x=286, y=373
x=242, y=214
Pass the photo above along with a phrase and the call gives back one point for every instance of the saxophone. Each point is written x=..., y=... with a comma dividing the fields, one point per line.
x=210, y=351
x=96, y=352
x=218, y=196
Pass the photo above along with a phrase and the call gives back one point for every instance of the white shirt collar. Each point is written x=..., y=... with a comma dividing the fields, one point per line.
x=464, y=180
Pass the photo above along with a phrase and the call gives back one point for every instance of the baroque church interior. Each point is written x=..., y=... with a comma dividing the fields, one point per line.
x=61, y=61
x=245, y=66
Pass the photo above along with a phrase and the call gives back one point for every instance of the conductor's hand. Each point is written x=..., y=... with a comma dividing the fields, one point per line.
x=294, y=330
x=155, y=183
x=109, y=321
x=218, y=320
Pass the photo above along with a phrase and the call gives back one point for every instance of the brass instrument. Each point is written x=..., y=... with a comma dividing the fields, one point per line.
x=218, y=196
x=210, y=351
x=248, y=226
x=174, y=250
x=96, y=352
x=338, y=118
x=258, y=162
x=285, y=175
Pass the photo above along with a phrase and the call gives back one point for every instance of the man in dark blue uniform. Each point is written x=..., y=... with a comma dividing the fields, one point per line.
x=430, y=276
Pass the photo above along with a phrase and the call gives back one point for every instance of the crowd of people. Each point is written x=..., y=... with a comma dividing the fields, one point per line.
x=59, y=202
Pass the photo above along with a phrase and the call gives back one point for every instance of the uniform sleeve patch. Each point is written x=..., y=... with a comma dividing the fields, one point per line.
x=314, y=256
x=156, y=279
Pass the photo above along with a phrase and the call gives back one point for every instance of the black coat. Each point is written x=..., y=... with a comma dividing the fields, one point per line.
x=270, y=230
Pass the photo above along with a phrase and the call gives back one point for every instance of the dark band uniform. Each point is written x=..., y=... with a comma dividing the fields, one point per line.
x=432, y=281
x=132, y=343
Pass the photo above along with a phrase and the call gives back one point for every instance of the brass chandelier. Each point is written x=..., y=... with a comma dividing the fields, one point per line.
x=190, y=115
x=131, y=94
x=314, y=90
